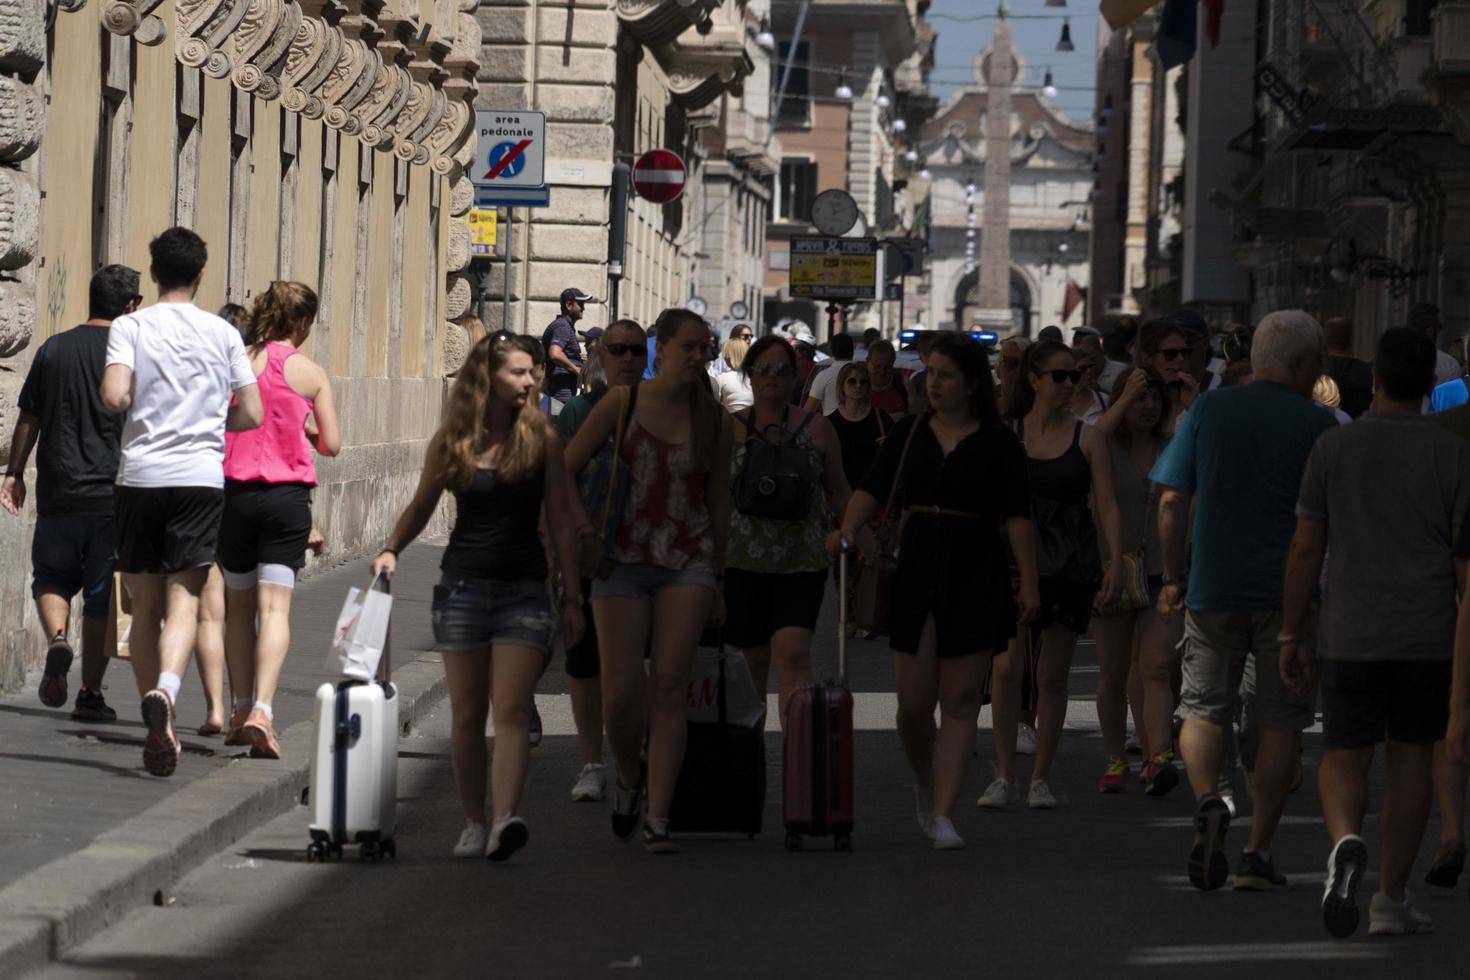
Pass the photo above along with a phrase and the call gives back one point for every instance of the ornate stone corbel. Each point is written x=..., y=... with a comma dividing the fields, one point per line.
x=419, y=136
x=348, y=84
x=134, y=18
x=382, y=108
x=260, y=45
x=204, y=29
x=455, y=126
x=310, y=59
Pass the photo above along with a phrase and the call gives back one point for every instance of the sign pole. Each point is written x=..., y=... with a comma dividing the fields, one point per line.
x=902, y=291
x=510, y=241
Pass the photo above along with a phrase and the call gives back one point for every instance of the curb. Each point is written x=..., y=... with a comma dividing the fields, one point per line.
x=63, y=904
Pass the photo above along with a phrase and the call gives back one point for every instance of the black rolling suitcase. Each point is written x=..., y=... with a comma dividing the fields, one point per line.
x=722, y=784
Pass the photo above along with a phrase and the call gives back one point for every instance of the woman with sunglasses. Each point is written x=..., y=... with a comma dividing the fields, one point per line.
x=1166, y=347
x=501, y=458
x=960, y=475
x=1136, y=650
x=1008, y=368
x=860, y=428
x=1067, y=462
x=667, y=562
x=777, y=568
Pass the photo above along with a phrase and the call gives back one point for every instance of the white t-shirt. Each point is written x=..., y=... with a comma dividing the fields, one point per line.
x=185, y=363
x=824, y=386
x=735, y=393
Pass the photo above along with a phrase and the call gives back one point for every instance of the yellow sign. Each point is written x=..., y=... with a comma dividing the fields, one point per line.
x=834, y=268
x=482, y=228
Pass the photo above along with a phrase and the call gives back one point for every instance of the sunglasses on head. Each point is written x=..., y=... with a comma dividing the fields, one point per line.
x=1175, y=353
x=1059, y=375
x=623, y=350
x=767, y=368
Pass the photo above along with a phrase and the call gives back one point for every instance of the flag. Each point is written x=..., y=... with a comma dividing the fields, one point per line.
x=1075, y=295
x=1214, y=10
x=1120, y=13
x=1178, y=32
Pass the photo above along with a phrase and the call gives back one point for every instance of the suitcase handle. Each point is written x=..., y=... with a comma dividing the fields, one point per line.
x=842, y=613
x=385, y=663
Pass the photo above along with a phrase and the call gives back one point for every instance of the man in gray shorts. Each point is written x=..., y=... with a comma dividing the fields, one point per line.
x=1239, y=453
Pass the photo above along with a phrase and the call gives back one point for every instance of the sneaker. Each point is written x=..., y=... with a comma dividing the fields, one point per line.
x=924, y=811
x=161, y=747
x=1025, y=739
x=91, y=707
x=627, y=809
x=1345, y=867
x=261, y=735
x=1449, y=863
x=1229, y=800
x=1039, y=797
x=1257, y=874
x=1114, y=777
x=591, y=784
x=656, y=839
x=535, y=727
x=1208, y=866
x=997, y=795
x=1132, y=746
x=53, y=679
x=507, y=836
x=471, y=840
x=1389, y=918
x=1159, y=776
x=238, y=716
x=944, y=836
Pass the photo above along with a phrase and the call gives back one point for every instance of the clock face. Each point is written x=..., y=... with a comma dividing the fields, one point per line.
x=834, y=212
x=739, y=310
x=696, y=305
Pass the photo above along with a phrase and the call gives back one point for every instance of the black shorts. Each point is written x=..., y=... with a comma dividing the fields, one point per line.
x=75, y=554
x=264, y=524
x=1067, y=604
x=166, y=530
x=583, y=660
x=758, y=604
x=1407, y=699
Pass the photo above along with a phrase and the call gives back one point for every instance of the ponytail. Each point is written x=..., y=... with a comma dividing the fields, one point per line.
x=276, y=312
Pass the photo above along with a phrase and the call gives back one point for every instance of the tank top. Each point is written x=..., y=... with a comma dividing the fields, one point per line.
x=666, y=520
x=1067, y=478
x=277, y=451
x=496, y=532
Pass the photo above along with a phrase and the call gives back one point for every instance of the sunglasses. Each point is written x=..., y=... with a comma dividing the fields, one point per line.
x=766, y=368
x=1060, y=376
x=623, y=350
x=741, y=336
x=1175, y=353
x=857, y=381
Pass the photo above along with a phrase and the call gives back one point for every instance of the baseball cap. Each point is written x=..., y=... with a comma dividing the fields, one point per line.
x=1085, y=331
x=592, y=333
x=574, y=294
x=1189, y=321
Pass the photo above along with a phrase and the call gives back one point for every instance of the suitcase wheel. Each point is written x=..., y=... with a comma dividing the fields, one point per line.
x=842, y=842
x=316, y=851
x=793, y=841
x=388, y=848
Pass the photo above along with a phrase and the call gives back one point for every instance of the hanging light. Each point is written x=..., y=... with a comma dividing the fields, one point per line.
x=764, y=39
x=1049, y=87
x=1064, y=43
x=970, y=187
x=899, y=125
x=882, y=101
x=969, y=232
x=1063, y=247
x=925, y=173
x=844, y=90
x=912, y=156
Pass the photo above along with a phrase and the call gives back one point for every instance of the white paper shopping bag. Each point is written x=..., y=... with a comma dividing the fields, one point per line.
x=361, y=634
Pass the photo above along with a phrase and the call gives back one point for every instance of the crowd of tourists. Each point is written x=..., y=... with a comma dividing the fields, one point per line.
x=1251, y=525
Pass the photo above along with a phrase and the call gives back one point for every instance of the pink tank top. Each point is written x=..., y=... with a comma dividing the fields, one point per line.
x=277, y=451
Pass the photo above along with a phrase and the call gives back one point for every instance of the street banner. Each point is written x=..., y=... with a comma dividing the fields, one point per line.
x=834, y=268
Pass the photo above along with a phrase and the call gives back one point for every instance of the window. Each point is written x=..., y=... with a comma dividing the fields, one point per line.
x=798, y=188
x=796, y=107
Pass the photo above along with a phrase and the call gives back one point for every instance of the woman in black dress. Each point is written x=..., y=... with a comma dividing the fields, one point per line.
x=960, y=475
x=860, y=428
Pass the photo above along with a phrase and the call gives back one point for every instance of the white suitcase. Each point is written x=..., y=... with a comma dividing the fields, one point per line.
x=354, y=768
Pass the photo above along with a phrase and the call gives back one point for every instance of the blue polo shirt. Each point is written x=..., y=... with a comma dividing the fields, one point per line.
x=1448, y=395
x=1241, y=452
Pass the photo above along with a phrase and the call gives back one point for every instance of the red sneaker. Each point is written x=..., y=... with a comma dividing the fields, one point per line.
x=161, y=747
x=1115, y=777
x=261, y=735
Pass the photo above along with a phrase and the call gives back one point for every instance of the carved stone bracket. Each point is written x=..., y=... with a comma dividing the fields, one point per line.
x=134, y=18
x=700, y=73
x=260, y=46
x=204, y=31
x=312, y=57
x=658, y=22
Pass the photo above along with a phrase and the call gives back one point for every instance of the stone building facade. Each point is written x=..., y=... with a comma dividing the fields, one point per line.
x=314, y=140
x=1047, y=193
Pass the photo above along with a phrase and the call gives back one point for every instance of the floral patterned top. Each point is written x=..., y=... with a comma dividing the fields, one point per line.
x=666, y=521
x=780, y=547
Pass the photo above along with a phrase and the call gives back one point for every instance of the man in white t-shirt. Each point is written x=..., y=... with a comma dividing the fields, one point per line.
x=172, y=368
x=824, y=395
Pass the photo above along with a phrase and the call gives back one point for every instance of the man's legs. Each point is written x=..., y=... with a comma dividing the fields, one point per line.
x=1406, y=795
x=1342, y=779
x=1276, y=755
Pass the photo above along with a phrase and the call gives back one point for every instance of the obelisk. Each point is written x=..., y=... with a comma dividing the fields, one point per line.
x=995, y=227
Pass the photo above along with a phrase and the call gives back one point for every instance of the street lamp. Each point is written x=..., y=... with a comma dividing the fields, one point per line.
x=970, y=187
x=1048, y=87
x=882, y=101
x=844, y=90
x=1064, y=43
x=899, y=125
x=925, y=173
x=912, y=156
x=764, y=39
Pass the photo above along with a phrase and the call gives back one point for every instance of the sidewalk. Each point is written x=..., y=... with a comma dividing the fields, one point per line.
x=86, y=834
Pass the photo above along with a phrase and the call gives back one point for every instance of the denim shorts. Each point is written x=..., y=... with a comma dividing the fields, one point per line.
x=472, y=614
x=71, y=555
x=645, y=581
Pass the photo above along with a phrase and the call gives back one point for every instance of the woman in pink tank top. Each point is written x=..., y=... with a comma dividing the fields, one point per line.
x=269, y=474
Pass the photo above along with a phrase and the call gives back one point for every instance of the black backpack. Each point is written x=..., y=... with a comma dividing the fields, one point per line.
x=775, y=480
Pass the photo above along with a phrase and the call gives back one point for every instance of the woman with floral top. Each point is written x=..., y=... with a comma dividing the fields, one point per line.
x=776, y=570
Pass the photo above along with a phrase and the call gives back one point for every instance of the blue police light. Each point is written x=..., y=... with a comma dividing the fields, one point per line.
x=984, y=337
x=908, y=335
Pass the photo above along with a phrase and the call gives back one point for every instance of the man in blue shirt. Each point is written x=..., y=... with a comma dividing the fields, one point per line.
x=1239, y=454
x=564, y=350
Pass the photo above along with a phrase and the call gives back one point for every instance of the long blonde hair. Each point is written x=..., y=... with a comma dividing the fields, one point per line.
x=275, y=313
x=455, y=449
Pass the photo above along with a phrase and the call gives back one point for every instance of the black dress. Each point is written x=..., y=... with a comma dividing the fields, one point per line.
x=859, y=441
x=954, y=568
x=1068, y=565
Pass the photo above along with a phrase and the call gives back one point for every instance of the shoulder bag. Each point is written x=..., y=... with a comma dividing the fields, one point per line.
x=1133, y=594
x=604, y=486
x=872, y=601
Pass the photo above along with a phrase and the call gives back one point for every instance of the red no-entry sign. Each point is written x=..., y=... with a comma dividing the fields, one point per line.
x=659, y=176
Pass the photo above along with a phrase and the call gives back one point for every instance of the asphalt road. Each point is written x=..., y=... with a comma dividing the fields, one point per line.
x=1095, y=888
